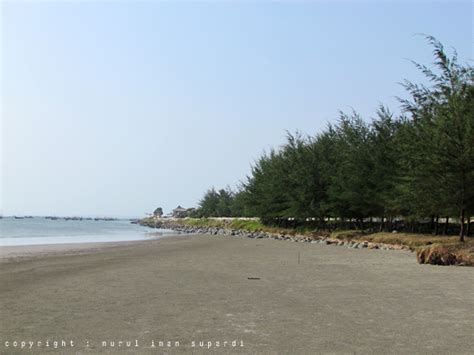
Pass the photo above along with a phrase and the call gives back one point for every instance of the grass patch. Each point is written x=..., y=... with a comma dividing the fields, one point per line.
x=430, y=249
x=447, y=254
x=243, y=224
x=409, y=239
x=250, y=225
x=201, y=222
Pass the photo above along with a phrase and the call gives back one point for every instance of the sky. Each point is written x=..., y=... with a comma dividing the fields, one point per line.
x=115, y=108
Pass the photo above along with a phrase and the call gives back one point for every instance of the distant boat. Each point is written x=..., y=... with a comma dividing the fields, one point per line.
x=73, y=218
x=17, y=217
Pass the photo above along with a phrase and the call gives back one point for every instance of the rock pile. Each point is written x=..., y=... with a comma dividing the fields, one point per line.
x=313, y=238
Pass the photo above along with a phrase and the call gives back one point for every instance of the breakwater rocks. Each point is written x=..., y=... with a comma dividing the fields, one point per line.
x=314, y=237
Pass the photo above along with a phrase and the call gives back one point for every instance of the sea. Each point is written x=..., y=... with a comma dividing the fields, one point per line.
x=42, y=230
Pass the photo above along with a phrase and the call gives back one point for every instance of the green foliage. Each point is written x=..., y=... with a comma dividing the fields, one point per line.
x=158, y=212
x=215, y=204
x=244, y=224
x=249, y=225
x=350, y=189
x=418, y=165
x=441, y=137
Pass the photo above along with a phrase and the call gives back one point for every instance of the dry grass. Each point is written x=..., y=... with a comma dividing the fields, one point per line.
x=411, y=240
x=447, y=254
x=435, y=250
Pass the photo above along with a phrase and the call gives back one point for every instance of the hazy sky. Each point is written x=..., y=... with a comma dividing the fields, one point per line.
x=115, y=108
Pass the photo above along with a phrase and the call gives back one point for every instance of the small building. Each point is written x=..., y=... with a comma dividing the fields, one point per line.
x=180, y=212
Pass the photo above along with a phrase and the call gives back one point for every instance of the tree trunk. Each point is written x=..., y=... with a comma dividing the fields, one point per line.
x=436, y=230
x=461, y=231
x=468, y=231
x=446, y=226
x=327, y=226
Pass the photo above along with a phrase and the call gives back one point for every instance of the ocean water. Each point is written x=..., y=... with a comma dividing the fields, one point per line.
x=39, y=230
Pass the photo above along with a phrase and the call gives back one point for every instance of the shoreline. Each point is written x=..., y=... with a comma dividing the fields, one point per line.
x=9, y=252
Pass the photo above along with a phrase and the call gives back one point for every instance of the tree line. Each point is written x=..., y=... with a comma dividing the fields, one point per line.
x=396, y=172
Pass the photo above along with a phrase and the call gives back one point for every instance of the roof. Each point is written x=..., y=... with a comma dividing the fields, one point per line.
x=179, y=209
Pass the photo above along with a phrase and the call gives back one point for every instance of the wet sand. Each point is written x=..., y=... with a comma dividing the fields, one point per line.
x=269, y=296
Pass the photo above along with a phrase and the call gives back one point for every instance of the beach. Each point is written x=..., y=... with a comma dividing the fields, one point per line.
x=220, y=294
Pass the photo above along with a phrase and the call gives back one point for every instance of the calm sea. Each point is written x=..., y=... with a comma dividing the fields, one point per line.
x=38, y=230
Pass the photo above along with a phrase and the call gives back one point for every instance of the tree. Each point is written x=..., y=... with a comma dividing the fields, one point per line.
x=208, y=204
x=158, y=212
x=418, y=165
x=223, y=208
x=240, y=204
x=215, y=203
x=443, y=124
x=384, y=146
x=350, y=191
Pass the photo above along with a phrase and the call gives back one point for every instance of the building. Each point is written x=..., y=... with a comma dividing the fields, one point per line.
x=180, y=212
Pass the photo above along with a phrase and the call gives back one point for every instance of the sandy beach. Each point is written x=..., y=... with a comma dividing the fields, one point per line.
x=232, y=294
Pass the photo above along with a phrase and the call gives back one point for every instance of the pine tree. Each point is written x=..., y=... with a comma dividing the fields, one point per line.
x=443, y=125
